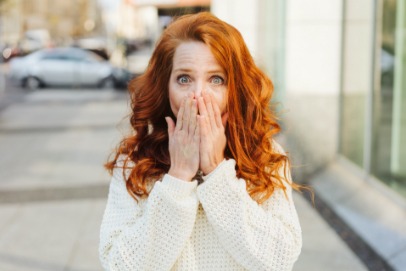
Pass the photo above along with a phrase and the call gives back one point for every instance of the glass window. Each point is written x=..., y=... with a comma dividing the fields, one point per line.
x=271, y=47
x=52, y=56
x=356, y=80
x=388, y=153
x=92, y=57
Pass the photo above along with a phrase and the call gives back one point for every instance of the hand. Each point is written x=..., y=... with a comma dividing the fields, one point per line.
x=212, y=133
x=184, y=141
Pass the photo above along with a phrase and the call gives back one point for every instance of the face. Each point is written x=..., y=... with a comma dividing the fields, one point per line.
x=196, y=71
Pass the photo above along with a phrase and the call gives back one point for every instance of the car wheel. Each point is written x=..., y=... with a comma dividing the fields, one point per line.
x=107, y=83
x=32, y=83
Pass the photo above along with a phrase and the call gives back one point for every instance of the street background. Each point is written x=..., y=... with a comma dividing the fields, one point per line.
x=53, y=186
x=54, y=140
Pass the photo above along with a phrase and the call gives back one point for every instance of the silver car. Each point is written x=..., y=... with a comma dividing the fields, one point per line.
x=68, y=66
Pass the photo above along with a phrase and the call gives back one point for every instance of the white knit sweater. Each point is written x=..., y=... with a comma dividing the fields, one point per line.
x=213, y=226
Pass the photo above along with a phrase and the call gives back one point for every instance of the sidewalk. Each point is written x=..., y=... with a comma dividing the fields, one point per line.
x=53, y=188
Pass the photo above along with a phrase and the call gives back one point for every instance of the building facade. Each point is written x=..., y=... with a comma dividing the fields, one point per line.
x=333, y=65
x=63, y=21
x=339, y=69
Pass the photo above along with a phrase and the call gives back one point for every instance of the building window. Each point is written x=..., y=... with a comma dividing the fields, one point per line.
x=356, y=79
x=388, y=153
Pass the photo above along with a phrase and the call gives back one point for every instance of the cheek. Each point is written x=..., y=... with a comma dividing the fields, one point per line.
x=221, y=101
x=175, y=100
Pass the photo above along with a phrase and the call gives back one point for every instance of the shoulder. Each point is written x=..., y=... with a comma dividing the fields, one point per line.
x=124, y=161
x=118, y=192
x=122, y=171
x=284, y=168
x=122, y=168
x=277, y=148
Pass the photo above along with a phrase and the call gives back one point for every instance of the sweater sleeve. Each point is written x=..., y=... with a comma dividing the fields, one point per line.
x=258, y=237
x=151, y=233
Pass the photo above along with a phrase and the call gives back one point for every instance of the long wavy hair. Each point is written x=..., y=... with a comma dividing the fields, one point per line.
x=251, y=123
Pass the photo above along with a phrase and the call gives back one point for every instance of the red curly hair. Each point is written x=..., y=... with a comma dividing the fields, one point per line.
x=251, y=124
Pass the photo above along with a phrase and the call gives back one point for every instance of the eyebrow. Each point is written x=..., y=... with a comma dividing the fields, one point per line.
x=190, y=70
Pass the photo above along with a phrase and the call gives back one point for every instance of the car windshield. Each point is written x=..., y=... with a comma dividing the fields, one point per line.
x=94, y=57
x=54, y=55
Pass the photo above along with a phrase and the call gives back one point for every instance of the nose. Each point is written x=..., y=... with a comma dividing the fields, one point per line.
x=199, y=88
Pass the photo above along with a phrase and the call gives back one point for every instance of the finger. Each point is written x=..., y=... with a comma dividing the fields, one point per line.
x=197, y=131
x=193, y=115
x=186, y=114
x=179, y=118
x=202, y=106
x=171, y=126
x=217, y=115
x=203, y=127
x=209, y=106
x=203, y=111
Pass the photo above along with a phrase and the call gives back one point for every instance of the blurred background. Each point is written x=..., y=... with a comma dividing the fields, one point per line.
x=339, y=71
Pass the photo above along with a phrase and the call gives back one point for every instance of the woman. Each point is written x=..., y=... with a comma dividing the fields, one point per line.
x=201, y=184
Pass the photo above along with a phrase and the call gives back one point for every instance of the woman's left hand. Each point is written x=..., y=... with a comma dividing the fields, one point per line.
x=212, y=133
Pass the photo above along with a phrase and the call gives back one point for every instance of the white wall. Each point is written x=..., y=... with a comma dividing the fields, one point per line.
x=313, y=39
x=241, y=14
x=358, y=47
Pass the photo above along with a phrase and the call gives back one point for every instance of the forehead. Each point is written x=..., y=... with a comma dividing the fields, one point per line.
x=195, y=54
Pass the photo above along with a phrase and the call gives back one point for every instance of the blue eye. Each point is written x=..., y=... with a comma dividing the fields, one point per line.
x=183, y=79
x=217, y=80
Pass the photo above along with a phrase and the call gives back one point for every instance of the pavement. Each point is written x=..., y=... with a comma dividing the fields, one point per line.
x=53, y=187
x=371, y=210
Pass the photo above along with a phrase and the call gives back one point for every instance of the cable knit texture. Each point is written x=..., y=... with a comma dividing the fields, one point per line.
x=213, y=226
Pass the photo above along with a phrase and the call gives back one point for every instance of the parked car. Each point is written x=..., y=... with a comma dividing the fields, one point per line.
x=66, y=66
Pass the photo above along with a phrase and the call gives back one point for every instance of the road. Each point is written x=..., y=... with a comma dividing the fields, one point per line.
x=9, y=92
x=53, y=187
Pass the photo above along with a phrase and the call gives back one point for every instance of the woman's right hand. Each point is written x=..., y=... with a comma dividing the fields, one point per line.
x=184, y=139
